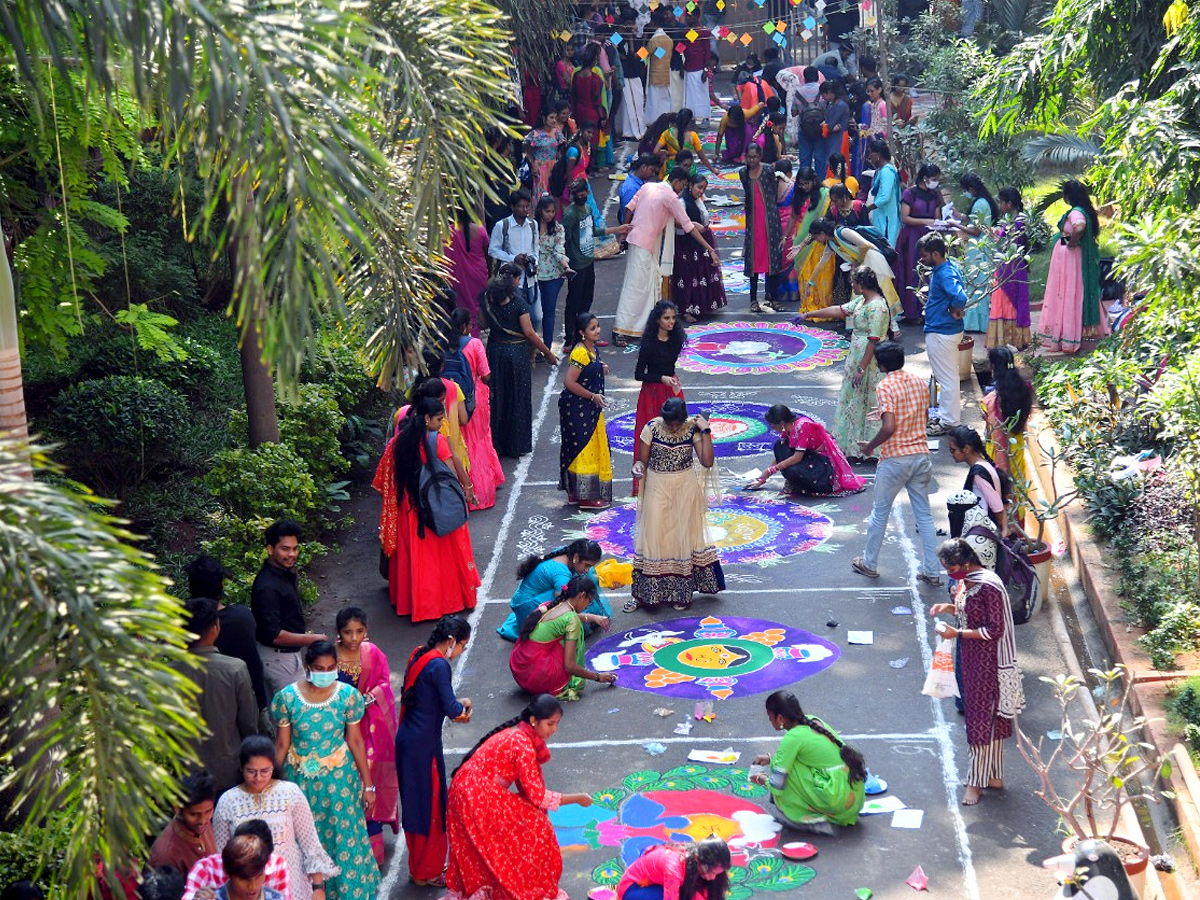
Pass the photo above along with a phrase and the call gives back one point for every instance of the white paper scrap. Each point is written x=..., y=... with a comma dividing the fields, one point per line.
x=886, y=804
x=907, y=818
x=726, y=757
x=860, y=637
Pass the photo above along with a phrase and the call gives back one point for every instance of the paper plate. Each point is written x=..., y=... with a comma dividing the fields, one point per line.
x=799, y=850
x=602, y=893
x=874, y=786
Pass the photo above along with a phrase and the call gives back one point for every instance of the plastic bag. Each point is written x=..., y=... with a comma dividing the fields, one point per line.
x=613, y=574
x=940, y=681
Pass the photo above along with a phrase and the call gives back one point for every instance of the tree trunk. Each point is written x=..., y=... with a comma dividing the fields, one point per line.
x=13, y=422
x=257, y=383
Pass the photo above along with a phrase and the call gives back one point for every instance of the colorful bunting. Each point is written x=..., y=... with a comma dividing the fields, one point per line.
x=692, y=35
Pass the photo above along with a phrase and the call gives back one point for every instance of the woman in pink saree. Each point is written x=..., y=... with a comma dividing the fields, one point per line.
x=808, y=458
x=363, y=666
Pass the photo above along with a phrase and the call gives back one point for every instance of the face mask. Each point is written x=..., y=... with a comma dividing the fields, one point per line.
x=579, y=201
x=322, y=679
x=933, y=184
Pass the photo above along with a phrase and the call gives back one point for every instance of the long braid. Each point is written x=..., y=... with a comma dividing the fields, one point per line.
x=852, y=758
x=447, y=627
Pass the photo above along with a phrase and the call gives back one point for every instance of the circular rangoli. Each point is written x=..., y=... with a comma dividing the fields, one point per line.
x=758, y=348
x=714, y=657
x=738, y=429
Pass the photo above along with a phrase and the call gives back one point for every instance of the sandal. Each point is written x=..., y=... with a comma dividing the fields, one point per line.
x=681, y=606
x=630, y=605
x=931, y=580
x=862, y=568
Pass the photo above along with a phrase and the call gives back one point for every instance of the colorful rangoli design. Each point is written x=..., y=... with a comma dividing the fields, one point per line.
x=733, y=274
x=716, y=657
x=746, y=528
x=738, y=429
x=726, y=223
x=759, y=348
x=685, y=804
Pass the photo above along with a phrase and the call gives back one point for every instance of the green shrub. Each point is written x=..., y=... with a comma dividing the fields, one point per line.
x=1184, y=707
x=119, y=430
x=30, y=852
x=269, y=482
x=310, y=426
x=239, y=547
x=342, y=368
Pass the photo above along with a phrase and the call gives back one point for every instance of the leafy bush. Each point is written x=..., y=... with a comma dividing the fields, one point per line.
x=1184, y=706
x=269, y=482
x=342, y=368
x=31, y=852
x=119, y=430
x=310, y=426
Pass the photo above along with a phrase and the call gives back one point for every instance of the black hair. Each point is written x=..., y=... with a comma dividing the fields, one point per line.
x=281, y=529
x=679, y=173
x=689, y=202
x=245, y=856
x=581, y=547
x=256, y=745
x=866, y=277
x=1011, y=196
x=201, y=616
x=957, y=552
x=972, y=182
x=840, y=192
x=541, y=707
x=889, y=356
x=260, y=830
x=517, y=196
x=899, y=77
x=316, y=650
x=932, y=243
x=646, y=159
x=674, y=410
x=880, y=147
x=837, y=165
x=779, y=414
x=874, y=82
x=925, y=171
x=785, y=704
x=710, y=852
x=460, y=318
x=869, y=63
x=1076, y=193
x=446, y=628
x=654, y=132
x=811, y=197
x=967, y=438
x=348, y=614
x=464, y=224
x=406, y=448
x=590, y=52
x=677, y=336
x=206, y=577
x=429, y=387
x=783, y=167
x=1013, y=391
x=771, y=53
x=683, y=123
x=159, y=883
x=822, y=226
x=545, y=202
x=543, y=111
x=581, y=322
x=198, y=788
x=828, y=86
x=737, y=115
x=23, y=890
x=811, y=74
x=586, y=125
x=579, y=584
x=774, y=105
x=753, y=145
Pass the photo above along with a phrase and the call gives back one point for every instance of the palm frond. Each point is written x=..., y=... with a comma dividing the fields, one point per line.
x=1065, y=151
x=88, y=636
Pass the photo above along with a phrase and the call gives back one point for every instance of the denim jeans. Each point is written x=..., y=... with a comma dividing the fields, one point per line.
x=528, y=293
x=915, y=474
x=807, y=149
x=549, y=293
x=972, y=13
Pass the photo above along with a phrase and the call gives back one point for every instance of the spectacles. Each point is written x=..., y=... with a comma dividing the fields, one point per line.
x=257, y=773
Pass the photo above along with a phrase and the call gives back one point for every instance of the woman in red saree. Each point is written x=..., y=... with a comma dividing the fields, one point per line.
x=427, y=698
x=363, y=666
x=484, y=814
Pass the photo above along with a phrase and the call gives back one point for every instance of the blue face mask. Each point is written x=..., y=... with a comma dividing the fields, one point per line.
x=322, y=679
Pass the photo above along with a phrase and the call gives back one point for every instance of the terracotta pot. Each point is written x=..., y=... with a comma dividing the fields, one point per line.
x=966, y=348
x=1135, y=866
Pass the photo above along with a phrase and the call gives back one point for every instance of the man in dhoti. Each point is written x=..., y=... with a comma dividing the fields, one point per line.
x=656, y=208
x=697, y=72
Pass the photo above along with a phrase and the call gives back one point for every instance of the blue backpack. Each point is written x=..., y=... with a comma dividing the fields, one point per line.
x=457, y=368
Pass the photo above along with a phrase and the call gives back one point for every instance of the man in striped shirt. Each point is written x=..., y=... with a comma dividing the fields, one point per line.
x=903, y=402
x=209, y=873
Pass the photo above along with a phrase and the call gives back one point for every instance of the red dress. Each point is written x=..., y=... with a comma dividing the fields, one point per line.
x=502, y=845
x=427, y=577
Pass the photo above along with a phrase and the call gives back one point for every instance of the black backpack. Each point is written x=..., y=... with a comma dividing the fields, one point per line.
x=442, y=503
x=456, y=367
x=812, y=119
x=558, y=174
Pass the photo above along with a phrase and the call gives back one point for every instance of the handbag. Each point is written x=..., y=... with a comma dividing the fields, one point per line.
x=940, y=681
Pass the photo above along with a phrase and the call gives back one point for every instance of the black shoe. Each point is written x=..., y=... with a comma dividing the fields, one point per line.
x=619, y=340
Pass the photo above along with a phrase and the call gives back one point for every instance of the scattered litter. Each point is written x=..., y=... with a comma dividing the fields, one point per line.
x=726, y=757
x=614, y=709
x=901, y=610
x=899, y=663
x=752, y=475
x=799, y=850
x=683, y=728
x=863, y=893
x=874, y=785
x=662, y=712
x=1054, y=735
x=832, y=623
x=907, y=818
x=860, y=637
x=887, y=804
x=703, y=710
x=917, y=880
x=654, y=748
x=1164, y=862
x=933, y=445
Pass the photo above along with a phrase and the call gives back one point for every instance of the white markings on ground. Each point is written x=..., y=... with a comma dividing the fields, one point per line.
x=895, y=738
x=864, y=592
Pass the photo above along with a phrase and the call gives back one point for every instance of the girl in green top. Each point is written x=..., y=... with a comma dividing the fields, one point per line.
x=549, y=656
x=816, y=781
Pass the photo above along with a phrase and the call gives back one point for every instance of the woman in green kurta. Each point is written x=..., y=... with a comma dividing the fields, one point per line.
x=817, y=782
x=320, y=747
x=868, y=317
x=549, y=657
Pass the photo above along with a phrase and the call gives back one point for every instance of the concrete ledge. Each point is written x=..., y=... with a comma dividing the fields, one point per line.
x=1120, y=635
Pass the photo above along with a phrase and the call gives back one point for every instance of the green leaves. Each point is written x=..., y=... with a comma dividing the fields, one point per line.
x=150, y=331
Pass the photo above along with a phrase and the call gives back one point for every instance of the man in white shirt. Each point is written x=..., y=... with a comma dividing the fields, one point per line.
x=515, y=239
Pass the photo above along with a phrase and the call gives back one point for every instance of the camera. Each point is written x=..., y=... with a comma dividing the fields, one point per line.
x=530, y=269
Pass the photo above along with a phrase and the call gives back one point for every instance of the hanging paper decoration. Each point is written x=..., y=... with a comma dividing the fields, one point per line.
x=564, y=36
x=780, y=27
x=642, y=53
x=659, y=52
x=806, y=35
x=731, y=37
x=680, y=47
x=690, y=6
x=746, y=39
x=692, y=35
x=810, y=23
x=616, y=39
x=769, y=27
x=678, y=12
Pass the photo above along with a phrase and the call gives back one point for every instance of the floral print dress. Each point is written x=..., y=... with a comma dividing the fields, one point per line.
x=320, y=762
x=869, y=320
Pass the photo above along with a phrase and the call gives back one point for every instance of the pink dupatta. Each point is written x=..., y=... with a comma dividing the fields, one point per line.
x=379, y=733
x=808, y=434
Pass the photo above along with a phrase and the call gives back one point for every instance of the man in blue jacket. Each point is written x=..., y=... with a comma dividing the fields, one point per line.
x=943, y=329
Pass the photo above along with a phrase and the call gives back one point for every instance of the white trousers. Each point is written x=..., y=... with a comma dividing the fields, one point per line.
x=640, y=290
x=658, y=101
x=942, y=350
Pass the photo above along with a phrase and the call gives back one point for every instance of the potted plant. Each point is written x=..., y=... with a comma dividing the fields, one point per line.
x=1040, y=510
x=1098, y=766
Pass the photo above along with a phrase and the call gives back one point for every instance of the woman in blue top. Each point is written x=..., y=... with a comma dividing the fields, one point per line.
x=542, y=577
x=884, y=205
x=978, y=269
